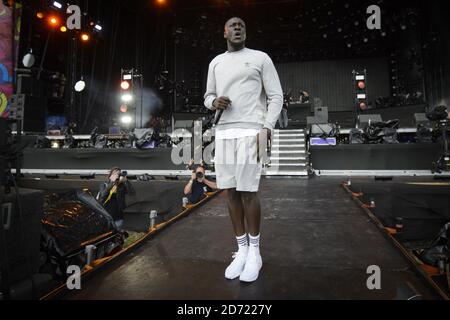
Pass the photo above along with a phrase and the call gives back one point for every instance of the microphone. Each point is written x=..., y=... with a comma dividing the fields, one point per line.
x=217, y=117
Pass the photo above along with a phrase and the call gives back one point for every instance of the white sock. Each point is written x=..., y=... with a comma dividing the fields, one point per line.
x=242, y=242
x=254, y=243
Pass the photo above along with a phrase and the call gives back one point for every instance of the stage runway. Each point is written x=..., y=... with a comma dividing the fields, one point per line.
x=316, y=244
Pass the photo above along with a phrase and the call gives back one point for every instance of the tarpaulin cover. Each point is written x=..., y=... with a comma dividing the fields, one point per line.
x=72, y=220
x=424, y=209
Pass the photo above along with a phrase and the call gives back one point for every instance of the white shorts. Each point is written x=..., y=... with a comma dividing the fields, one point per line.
x=237, y=164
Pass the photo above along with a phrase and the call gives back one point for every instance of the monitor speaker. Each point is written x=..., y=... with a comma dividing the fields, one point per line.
x=21, y=216
x=364, y=119
x=421, y=118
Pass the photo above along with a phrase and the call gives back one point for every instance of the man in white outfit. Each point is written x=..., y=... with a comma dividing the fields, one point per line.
x=245, y=85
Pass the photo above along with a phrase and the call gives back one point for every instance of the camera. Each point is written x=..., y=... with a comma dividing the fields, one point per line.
x=123, y=173
x=199, y=175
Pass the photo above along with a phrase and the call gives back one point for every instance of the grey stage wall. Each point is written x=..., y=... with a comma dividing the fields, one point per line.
x=331, y=80
x=416, y=156
x=100, y=159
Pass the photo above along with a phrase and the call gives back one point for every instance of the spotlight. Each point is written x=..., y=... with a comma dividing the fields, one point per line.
x=126, y=119
x=125, y=85
x=127, y=97
x=40, y=15
x=160, y=2
x=63, y=29
x=57, y=5
x=53, y=21
x=123, y=108
x=85, y=37
x=28, y=60
x=55, y=144
x=362, y=85
x=80, y=85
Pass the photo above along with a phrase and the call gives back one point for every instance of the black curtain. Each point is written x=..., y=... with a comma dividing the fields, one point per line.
x=133, y=37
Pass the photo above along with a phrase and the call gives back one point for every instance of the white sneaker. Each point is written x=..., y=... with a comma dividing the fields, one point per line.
x=236, y=267
x=252, y=267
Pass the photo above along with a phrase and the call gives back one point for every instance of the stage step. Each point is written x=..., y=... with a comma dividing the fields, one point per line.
x=291, y=152
x=286, y=173
x=287, y=141
x=288, y=154
x=289, y=131
x=288, y=166
x=287, y=163
x=278, y=159
x=289, y=135
x=288, y=146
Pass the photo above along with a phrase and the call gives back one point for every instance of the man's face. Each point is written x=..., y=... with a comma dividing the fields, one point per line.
x=235, y=31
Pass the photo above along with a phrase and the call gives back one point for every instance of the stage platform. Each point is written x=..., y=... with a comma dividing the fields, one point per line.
x=404, y=159
x=316, y=244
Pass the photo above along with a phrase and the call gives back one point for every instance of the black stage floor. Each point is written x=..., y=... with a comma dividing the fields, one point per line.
x=316, y=244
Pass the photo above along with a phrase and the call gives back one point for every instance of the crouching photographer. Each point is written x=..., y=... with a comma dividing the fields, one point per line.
x=199, y=184
x=112, y=194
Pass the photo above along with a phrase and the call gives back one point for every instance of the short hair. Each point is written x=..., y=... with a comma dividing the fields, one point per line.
x=226, y=22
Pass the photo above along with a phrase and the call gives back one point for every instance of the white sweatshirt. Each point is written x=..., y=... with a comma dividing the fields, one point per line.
x=249, y=79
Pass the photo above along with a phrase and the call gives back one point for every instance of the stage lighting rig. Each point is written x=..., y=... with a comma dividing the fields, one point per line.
x=57, y=5
x=29, y=59
x=80, y=85
x=126, y=119
x=98, y=27
x=441, y=115
x=360, y=89
x=131, y=91
x=85, y=37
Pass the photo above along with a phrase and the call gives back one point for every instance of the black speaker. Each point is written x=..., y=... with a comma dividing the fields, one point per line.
x=34, y=114
x=21, y=223
x=6, y=142
x=421, y=118
x=364, y=119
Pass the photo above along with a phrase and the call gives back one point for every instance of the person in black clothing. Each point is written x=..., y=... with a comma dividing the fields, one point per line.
x=112, y=194
x=198, y=185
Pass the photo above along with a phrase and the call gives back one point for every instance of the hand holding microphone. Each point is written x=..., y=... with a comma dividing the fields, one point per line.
x=220, y=104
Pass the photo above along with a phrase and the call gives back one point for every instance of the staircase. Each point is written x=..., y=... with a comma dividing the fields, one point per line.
x=289, y=156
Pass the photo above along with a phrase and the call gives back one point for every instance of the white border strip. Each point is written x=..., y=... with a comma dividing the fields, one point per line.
x=104, y=172
x=376, y=173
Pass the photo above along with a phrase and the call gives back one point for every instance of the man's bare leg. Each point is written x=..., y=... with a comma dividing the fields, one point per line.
x=252, y=211
x=236, y=211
